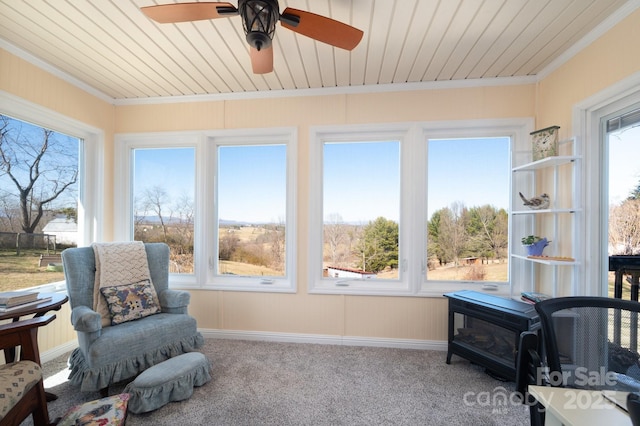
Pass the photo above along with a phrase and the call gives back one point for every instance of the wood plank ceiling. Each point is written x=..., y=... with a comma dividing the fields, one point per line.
x=110, y=46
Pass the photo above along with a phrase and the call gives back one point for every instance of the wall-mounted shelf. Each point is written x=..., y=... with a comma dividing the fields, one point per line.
x=559, y=177
x=544, y=211
x=547, y=162
x=546, y=261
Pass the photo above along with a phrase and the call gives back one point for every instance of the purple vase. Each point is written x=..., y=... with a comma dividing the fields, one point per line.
x=536, y=248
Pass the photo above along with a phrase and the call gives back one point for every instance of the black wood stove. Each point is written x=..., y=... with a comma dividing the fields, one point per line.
x=485, y=329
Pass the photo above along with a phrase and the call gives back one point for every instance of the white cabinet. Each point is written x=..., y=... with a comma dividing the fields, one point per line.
x=557, y=272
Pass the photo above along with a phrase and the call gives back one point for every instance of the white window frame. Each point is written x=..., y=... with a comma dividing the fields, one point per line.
x=205, y=240
x=413, y=139
x=587, y=120
x=518, y=129
x=287, y=137
x=90, y=159
x=123, y=199
x=367, y=133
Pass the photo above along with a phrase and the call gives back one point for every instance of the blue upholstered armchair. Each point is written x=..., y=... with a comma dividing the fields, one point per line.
x=111, y=354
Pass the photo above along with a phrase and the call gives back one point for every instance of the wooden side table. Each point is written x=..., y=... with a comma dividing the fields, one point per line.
x=54, y=304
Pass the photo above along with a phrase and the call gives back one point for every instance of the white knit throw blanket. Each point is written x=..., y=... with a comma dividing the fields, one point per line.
x=117, y=264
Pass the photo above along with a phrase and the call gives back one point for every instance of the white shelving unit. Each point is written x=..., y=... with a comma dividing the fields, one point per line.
x=558, y=176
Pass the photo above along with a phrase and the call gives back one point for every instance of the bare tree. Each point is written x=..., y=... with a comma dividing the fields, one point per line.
x=624, y=227
x=277, y=240
x=42, y=169
x=138, y=219
x=228, y=244
x=488, y=231
x=334, y=236
x=155, y=199
x=184, y=210
x=8, y=213
x=453, y=235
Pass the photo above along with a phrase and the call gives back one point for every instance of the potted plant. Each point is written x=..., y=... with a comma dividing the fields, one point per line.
x=534, y=244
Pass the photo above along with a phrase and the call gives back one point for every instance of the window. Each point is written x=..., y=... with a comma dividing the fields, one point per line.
x=623, y=189
x=590, y=125
x=252, y=206
x=46, y=158
x=224, y=202
x=361, y=209
x=163, y=202
x=390, y=194
x=468, y=200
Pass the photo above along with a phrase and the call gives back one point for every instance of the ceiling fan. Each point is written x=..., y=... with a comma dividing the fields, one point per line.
x=259, y=19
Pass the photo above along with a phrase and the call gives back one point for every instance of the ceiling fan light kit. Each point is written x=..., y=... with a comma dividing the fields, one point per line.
x=259, y=18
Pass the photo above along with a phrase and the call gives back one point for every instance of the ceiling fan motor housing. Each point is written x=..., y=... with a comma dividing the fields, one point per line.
x=259, y=19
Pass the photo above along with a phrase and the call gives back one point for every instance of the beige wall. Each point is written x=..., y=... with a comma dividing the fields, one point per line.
x=551, y=101
x=301, y=313
x=606, y=61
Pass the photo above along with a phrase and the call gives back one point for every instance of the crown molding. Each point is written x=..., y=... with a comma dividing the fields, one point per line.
x=325, y=91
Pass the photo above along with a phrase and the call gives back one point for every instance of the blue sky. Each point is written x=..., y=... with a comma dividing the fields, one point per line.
x=473, y=171
x=173, y=169
x=361, y=180
x=624, y=172
x=251, y=179
x=252, y=183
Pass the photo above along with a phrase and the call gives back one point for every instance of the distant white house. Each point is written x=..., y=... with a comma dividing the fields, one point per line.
x=339, y=272
x=65, y=230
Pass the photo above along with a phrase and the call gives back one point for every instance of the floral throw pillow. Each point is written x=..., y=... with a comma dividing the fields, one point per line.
x=130, y=302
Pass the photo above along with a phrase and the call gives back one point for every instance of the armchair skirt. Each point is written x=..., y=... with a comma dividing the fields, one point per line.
x=124, y=351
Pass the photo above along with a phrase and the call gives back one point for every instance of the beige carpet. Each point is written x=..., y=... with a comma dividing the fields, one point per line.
x=265, y=383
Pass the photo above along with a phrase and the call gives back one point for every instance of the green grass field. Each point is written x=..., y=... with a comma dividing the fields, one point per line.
x=22, y=271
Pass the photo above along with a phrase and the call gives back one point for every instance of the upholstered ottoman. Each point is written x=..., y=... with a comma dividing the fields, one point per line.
x=171, y=380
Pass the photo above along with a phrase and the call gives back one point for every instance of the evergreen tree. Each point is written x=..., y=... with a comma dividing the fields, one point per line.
x=378, y=247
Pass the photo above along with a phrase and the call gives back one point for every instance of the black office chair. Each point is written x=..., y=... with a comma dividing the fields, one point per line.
x=591, y=342
x=587, y=343
x=633, y=407
x=528, y=372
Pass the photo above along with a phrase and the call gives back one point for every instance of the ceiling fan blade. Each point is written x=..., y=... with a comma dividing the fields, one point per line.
x=184, y=12
x=321, y=28
x=261, y=60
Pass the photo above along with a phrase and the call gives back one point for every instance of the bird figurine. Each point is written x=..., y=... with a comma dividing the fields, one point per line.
x=536, y=203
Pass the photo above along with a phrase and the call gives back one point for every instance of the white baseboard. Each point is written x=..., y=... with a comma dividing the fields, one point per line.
x=434, y=345
x=57, y=351
x=380, y=342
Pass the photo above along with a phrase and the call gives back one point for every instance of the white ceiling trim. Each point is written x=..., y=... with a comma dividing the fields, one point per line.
x=325, y=91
